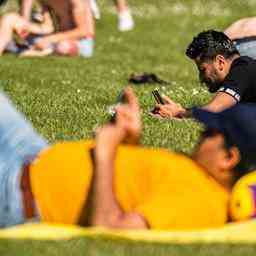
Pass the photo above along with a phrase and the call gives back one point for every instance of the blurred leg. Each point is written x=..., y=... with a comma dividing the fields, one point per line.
x=125, y=20
x=17, y=135
x=95, y=9
x=121, y=5
x=241, y=28
x=89, y=22
x=9, y=23
x=36, y=53
x=19, y=144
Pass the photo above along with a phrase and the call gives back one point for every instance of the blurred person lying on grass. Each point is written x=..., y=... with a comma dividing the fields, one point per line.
x=74, y=33
x=221, y=68
x=243, y=34
x=115, y=182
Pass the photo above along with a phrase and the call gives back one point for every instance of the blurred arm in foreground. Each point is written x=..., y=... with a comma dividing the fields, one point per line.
x=106, y=210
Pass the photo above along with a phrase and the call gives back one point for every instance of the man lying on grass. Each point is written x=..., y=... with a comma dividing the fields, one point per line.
x=221, y=68
x=116, y=183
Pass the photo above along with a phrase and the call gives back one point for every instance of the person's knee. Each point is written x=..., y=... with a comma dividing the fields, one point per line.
x=13, y=21
x=68, y=48
x=11, y=18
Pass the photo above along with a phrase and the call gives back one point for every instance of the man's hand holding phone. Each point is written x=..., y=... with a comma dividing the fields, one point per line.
x=167, y=108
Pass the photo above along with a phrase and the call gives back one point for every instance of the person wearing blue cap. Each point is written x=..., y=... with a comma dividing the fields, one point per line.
x=221, y=68
x=238, y=126
x=116, y=183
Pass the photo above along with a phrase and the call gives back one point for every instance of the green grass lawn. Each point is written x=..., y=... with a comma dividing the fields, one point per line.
x=67, y=98
x=103, y=247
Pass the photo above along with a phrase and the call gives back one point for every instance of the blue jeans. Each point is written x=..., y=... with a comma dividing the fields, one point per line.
x=19, y=144
x=247, y=48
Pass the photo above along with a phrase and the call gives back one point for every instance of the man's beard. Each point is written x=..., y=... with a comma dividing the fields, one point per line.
x=214, y=84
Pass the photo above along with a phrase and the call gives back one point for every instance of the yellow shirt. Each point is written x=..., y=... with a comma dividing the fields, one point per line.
x=170, y=190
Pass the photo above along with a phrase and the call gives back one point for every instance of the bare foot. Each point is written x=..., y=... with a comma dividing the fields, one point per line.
x=36, y=53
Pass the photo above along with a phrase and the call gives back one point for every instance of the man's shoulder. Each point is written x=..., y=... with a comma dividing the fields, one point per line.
x=242, y=67
x=244, y=61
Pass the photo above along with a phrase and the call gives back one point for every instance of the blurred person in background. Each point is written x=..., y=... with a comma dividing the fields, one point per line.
x=125, y=20
x=115, y=182
x=74, y=33
x=243, y=34
x=74, y=28
x=17, y=35
x=222, y=70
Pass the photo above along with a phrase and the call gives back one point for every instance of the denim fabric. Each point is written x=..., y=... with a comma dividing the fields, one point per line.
x=247, y=48
x=19, y=144
x=85, y=47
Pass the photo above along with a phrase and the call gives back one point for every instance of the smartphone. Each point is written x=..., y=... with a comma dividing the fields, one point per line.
x=158, y=97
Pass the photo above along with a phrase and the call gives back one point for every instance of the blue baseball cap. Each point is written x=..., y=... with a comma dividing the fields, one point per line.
x=238, y=123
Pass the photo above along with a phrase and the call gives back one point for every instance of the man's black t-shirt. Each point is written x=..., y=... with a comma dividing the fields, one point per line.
x=240, y=83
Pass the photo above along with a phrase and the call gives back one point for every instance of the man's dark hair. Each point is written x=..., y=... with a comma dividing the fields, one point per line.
x=208, y=44
x=2, y=2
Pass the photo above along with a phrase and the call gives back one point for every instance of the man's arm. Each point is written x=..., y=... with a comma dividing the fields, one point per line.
x=220, y=102
x=84, y=25
x=171, y=109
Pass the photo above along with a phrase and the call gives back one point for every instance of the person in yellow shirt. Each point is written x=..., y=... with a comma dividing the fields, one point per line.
x=116, y=183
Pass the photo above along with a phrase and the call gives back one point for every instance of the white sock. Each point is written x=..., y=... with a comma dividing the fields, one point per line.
x=95, y=9
x=125, y=21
